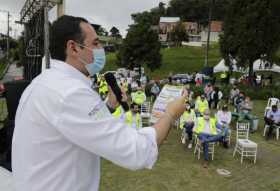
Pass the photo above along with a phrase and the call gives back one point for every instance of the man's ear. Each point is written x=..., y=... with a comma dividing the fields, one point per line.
x=71, y=46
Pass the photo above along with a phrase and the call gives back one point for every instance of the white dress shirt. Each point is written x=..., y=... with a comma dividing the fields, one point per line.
x=223, y=117
x=62, y=128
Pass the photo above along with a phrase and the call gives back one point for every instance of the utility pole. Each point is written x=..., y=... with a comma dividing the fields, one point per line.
x=46, y=33
x=8, y=37
x=211, y=2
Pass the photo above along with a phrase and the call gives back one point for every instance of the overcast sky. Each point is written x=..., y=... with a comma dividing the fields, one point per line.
x=107, y=13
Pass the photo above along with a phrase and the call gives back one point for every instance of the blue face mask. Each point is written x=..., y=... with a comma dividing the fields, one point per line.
x=99, y=59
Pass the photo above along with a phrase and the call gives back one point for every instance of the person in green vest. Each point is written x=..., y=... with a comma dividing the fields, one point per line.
x=206, y=131
x=138, y=97
x=133, y=117
x=103, y=88
x=187, y=123
x=201, y=105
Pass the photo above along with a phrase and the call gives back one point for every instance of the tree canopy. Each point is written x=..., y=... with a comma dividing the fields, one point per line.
x=251, y=31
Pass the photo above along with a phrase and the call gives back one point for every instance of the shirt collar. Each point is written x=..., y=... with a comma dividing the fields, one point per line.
x=68, y=69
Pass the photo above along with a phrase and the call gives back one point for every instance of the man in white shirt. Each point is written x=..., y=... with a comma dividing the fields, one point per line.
x=62, y=127
x=223, y=120
x=272, y=119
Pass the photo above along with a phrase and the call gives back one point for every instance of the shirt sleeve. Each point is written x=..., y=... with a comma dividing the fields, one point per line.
x=85, y=121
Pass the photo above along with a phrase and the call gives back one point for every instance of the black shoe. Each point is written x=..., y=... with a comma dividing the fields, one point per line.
x=225, y=144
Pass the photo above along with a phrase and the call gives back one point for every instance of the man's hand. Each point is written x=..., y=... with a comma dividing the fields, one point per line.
x=112, y=100
x=177, y=107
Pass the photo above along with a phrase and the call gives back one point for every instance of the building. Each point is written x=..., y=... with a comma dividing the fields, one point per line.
x=216, y=30
x=166, y=25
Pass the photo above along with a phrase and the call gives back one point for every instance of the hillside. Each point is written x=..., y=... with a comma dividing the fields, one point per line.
x=177, y=60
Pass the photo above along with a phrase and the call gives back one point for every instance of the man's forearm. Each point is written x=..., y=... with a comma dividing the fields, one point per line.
x=162, y=127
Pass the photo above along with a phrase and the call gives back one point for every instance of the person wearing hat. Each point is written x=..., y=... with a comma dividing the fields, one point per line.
x=272, y=119
x=206, y=130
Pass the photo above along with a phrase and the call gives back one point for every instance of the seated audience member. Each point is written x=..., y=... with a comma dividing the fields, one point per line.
x=206, y=130
x=201, y=105
x=234, y=92
x=215, y=97
x=272, y=119
x=138, y=97
x=240, y=98
x=223, y=120
x=155, y=90
x=187, y=123
x=245, y=112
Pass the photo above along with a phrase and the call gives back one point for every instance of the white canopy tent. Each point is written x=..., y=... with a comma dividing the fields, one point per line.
x=263, y=65
x=221, y=66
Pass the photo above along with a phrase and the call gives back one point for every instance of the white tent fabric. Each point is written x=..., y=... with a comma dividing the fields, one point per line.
x=221, y=67
x=259, y=65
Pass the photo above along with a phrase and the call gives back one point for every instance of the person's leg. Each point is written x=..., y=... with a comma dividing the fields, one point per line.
x=205, y=151
x=189, y=130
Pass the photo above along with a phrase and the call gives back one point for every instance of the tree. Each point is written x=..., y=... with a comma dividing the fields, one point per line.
x=102, y=32
x=140, y=47
x=251, y=30
x=115, y=32
x=196, y=10
x=179, y=34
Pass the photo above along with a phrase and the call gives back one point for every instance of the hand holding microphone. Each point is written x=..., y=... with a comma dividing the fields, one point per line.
x=116, y=95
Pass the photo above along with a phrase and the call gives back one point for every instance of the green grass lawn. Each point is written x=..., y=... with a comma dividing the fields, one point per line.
x=178, y=170
x=177, y=60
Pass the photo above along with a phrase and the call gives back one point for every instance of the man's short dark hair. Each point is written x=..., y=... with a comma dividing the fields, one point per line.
x=65, y=28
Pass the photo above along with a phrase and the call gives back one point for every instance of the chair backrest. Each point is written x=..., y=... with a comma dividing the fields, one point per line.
x=242, y=130
x=272, y=101
x=145, y=107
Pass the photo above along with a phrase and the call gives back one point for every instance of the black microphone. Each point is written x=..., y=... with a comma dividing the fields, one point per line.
x=112, y=82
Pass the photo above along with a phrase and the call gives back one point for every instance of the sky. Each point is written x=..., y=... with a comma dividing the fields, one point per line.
x=107, y=13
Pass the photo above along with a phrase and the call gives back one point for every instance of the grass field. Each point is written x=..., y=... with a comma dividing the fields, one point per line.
x=178, y=170
x=177, y=60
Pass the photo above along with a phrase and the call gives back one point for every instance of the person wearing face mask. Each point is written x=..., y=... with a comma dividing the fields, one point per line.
x=272, y=119
x=201, y=105
x=233, y=94
x=206, y=130
x=63, y=128
x=186, y=124
x=223, y=119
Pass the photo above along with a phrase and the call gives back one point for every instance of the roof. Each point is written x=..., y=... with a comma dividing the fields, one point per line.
x=169, y=19
x=216, y=26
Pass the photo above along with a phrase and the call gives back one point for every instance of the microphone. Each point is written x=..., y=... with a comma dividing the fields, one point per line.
x=112, y=82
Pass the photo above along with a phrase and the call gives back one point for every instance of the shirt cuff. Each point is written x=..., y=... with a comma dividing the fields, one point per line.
x=150, y=133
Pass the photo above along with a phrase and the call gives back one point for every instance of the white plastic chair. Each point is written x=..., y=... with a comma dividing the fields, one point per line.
x=276, y=128
x=244, y=146
x=145, y=114
x=272, y=101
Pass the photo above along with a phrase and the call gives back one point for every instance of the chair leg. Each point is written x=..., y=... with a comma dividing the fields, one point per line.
x=234, y=151
x=213, y=153
x=264, y=131
x=241, y=157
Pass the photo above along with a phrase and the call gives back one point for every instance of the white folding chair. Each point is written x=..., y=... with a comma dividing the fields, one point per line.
x=145, y=113
x=276, y=128
x=272, y=101
x=244, y=146
x=199, y=148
